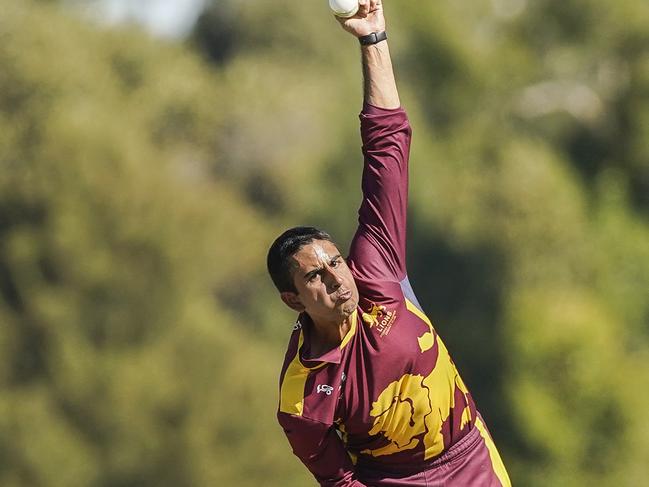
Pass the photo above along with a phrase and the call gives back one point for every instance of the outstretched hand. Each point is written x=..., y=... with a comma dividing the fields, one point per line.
x=368, y=19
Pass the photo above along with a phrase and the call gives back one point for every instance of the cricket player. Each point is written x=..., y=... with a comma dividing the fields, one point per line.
x=369, y=395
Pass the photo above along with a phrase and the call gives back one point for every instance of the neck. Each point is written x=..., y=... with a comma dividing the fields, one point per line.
x=329, y=334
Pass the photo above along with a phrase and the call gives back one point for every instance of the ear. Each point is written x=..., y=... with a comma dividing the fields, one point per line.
x=292, y=300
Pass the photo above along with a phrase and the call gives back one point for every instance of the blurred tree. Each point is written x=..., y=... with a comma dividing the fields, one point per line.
x=139, y=190
x=524, y=116
x=121, y=362
x=215, y=32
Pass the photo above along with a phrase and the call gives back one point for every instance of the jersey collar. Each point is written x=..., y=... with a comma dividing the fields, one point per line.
x=332, y=356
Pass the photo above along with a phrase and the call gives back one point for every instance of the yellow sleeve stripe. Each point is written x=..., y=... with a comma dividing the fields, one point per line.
x=496, y=461
x=291, y=395
x=292, y=389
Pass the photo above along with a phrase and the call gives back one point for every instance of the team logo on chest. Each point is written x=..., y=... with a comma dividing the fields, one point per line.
x=381, y=318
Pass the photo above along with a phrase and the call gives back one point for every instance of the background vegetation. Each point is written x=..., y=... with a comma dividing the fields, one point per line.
x=141, y=182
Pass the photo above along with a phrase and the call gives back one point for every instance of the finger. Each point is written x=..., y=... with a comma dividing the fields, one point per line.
x=374, y=4
x=363, y=8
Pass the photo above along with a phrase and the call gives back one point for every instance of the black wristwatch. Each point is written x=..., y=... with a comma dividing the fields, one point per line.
x=372, y=38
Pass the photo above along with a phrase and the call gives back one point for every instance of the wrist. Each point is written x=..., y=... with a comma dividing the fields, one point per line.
x=373, y=38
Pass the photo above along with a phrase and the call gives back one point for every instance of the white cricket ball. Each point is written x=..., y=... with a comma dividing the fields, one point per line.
x=344, y=8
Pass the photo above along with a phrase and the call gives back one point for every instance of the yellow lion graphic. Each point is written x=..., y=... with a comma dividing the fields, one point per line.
x=372, y=317
x=416, y=405
x=399, y=414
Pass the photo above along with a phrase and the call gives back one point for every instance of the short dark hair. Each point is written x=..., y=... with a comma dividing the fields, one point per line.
x=285, y=247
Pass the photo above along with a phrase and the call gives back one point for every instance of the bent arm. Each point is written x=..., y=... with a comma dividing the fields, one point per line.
x=321, y=450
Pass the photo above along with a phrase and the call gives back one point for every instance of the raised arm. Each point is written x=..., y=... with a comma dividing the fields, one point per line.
x=380, y=86
x=378, y=249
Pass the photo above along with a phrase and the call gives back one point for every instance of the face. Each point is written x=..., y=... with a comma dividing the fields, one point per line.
x=325, y=287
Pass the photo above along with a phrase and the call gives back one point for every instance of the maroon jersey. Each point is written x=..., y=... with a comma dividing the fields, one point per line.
x=389, y=398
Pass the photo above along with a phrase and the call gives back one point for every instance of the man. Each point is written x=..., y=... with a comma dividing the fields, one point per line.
x=368, y=393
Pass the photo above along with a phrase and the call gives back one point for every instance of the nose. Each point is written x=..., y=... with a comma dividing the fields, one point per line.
x=332, y=280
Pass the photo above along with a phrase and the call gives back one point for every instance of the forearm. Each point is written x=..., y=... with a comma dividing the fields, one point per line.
x=321, y=450
x=380, y=88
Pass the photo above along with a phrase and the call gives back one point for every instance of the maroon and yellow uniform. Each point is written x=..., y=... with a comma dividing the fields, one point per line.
x=386, y=407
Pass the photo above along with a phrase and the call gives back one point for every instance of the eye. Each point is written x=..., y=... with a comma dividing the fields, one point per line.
x=335, y=262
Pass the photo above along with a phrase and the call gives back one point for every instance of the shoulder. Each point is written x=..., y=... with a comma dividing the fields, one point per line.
x=306, y=389
x=292, y=347
x=376, y=288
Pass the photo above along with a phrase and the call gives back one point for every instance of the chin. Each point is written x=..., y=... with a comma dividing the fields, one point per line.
x=350, y=306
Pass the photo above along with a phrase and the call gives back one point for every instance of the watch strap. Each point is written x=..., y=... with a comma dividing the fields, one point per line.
x=373, y=38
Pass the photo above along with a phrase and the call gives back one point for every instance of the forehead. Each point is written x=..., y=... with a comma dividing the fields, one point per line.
x=314, y=254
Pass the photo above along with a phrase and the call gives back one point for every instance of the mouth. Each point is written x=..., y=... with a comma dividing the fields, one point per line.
x=345, y=296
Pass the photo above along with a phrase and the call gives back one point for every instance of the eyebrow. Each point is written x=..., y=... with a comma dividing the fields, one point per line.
x=313, y=272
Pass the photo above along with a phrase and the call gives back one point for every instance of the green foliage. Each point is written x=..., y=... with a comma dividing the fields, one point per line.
x=139, y=188
x=122, y=364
